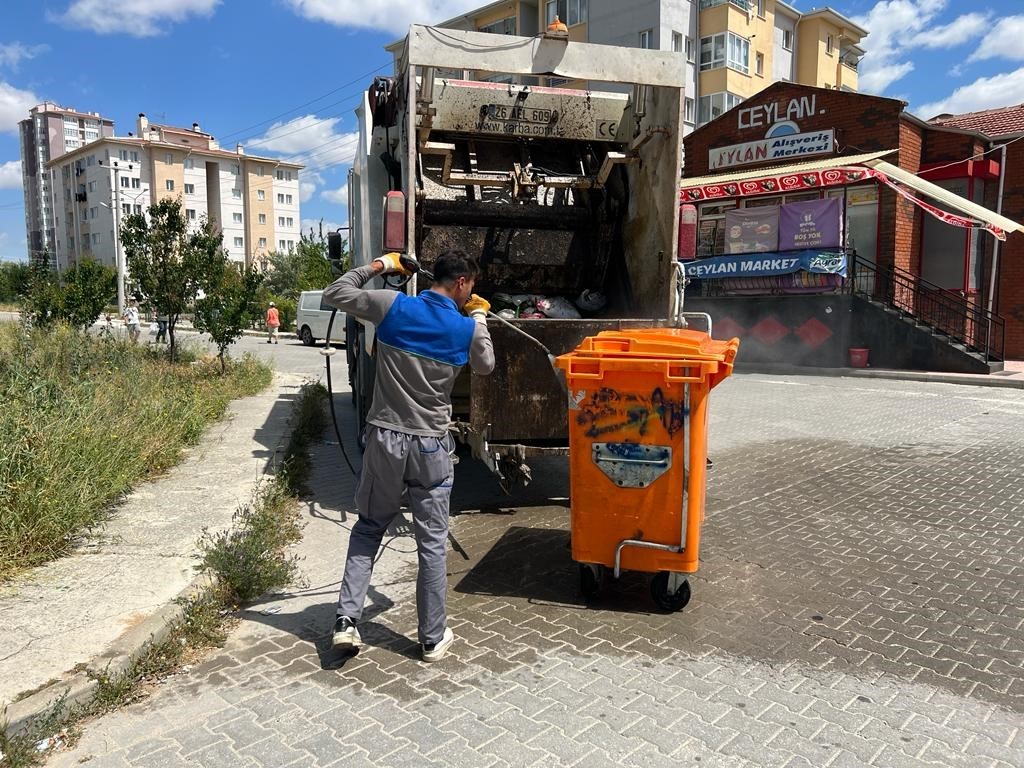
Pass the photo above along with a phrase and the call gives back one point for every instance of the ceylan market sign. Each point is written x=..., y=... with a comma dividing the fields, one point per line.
x=783, y=139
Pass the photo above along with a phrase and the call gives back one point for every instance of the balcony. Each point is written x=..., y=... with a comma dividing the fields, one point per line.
x=80, y=197
x=743, y=5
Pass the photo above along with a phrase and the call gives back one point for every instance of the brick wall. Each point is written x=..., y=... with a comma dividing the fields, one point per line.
x=862, y=124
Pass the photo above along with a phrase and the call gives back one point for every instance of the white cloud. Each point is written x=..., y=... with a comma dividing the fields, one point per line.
x=11, y=54
x=14, y=106
x=10, y=175
x=337, y=196
x=309, y=181
x=898, y=26
x=310, y=140
x=139, y=18
x=394, y=16
x=1004, y=41
x=984, y=93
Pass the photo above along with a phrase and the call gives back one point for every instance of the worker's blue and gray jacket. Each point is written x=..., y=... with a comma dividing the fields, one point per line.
x=422, y=343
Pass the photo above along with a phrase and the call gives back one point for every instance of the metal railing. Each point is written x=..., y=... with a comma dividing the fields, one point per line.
x=743, y=5
x=953, y=315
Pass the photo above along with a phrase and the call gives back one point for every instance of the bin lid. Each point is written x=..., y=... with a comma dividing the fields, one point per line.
x=660, y=343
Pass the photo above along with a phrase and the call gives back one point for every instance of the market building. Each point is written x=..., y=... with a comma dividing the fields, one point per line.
x=828, y=221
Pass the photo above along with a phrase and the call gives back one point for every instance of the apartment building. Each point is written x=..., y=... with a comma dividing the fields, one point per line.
x=733, y=48
x=49, y=131
x=254, y=200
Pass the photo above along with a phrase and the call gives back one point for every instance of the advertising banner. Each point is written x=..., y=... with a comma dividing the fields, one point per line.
x=767, y=264
x=810, y=224
x=793, y=146
x=752, y=230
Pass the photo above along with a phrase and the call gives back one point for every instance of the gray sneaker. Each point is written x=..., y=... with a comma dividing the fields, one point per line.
x=345, y=634
x=436, y=651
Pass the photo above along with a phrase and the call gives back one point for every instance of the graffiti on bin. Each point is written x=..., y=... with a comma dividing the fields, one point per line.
x=607, y=410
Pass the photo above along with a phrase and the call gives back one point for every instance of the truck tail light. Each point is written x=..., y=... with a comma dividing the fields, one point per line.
x=394, y=222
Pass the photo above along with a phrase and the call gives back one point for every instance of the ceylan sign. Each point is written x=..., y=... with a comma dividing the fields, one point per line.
x=787, y=146
x=763, y=115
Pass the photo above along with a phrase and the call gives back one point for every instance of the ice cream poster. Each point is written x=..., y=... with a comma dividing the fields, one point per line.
x=752, y=230
x=809, y=224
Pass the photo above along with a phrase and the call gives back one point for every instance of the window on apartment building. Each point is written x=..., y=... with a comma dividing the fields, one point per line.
x=236, y=217
x=291, y=221
x=190, y=214
x=92, y=186
x=135, y=157
x=760, y=8
x=828, y=44
x=126, y=209
x=715, y=104
x=169, y=158
x=94, y=212
x=280, y=198
x=501, y=26
x=136, y=183
x=725, y=49
x=261, y=195
x=85, y=214
x=138, y=210
x=235, y=169
x=123, y=154
x=238, y=242
x=280, y=175
x=263, y=242
x=287, y=199
x=236, y=193
x=291, y=244
x=90, y=160
x=688, y=49
x=688, y=109
x=646, y=36
x=787, y=39
x=569, y=11
x=280, y=221
x=280, y=245
x=677, y=42
x=190, y=189
x=190, y=163
x=759, y=63
x=262, y=218
x=169, y=184
x=95, y=238
x=259, y=170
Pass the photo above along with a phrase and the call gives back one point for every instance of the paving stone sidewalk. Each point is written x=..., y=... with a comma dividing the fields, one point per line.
x=859, y=603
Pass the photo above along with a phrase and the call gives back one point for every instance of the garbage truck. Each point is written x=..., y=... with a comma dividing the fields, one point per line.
x=479, y=144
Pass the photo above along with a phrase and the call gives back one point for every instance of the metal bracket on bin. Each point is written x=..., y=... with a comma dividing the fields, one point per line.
x=630, y=465
x=642, y=545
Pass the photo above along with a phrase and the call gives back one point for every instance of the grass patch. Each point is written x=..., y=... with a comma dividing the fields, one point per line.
x=245, y=561
x=84, y=420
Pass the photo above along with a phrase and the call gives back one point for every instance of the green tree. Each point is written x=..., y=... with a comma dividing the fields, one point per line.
x=306, y=268
x=229, y=306
x=44, y=298
x=168, y=262
x=88, y=288
x=15, y=278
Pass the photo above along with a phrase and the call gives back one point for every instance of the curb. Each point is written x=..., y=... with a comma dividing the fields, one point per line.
x=971, y=379
x=80, y=685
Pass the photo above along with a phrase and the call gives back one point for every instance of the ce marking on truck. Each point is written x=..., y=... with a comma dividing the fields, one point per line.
x=606, y=129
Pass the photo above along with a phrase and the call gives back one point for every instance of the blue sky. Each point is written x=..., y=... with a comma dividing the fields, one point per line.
x=282, y=76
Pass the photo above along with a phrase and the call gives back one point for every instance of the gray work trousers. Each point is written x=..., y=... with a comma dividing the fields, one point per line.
x=395, y=463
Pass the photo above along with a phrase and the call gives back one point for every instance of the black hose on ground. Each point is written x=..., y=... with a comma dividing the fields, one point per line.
x=330, y=392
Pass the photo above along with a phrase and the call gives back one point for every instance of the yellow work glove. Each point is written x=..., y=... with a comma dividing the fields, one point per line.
x=477, y=306
x=393, y=265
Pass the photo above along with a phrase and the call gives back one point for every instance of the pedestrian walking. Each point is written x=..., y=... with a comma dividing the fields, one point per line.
x=131, y=320
x=422, y=343
x=273, y=323
x=161, y=327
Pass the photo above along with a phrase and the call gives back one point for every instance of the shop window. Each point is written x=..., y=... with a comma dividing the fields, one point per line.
x=711, y=228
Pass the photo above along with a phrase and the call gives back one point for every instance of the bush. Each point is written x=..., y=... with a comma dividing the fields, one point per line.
x=77, y=297
x=14, y=281
x=84, y=420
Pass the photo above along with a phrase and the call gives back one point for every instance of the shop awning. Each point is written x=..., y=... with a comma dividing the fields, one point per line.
x=840, y=171
x=992, y=221
x=830, y=172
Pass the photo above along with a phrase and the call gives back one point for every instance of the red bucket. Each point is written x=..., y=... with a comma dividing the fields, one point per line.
x=859, y=357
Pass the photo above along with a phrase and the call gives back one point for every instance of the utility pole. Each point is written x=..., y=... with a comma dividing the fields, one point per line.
x=118, y=256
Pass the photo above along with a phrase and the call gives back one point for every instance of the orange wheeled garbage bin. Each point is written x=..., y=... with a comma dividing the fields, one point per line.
x=638, y=407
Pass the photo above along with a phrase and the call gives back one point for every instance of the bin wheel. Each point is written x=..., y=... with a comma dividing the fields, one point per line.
x=669, y=601
x=591, y=581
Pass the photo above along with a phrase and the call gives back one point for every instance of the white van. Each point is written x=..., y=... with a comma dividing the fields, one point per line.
x=312, y=316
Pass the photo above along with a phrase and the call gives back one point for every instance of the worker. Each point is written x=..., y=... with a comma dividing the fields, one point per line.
x=422, y=344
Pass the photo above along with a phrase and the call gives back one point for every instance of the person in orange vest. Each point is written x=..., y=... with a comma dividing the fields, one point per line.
x=273, y=323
